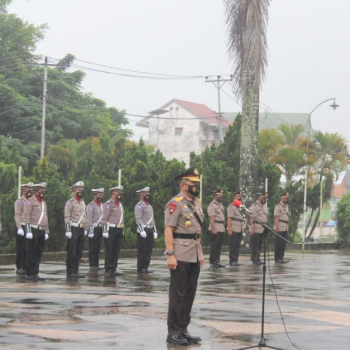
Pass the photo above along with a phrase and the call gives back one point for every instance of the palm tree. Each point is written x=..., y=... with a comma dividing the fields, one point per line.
x=247, y=44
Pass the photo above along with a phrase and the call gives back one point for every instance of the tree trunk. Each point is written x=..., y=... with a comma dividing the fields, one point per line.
x=315, y=224
x=309, y=221
x=249, y=145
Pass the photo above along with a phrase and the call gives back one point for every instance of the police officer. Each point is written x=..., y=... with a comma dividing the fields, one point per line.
x=216, y=213
x=146, y=231
x=37, y=231
x=27, y=190
x=256, y=230
x=75, y=222
x=281, y=214
x=183, y=227
x=235, y=224
x=94, y=217
x=113, y=230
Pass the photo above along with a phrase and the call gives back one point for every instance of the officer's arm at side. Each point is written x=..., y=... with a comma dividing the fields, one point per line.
x=169, y=246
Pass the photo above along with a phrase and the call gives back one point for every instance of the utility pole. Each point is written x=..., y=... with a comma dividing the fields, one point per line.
x=219, y=83
x=42, y=153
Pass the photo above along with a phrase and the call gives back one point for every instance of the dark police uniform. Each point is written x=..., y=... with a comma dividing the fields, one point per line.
x=282, y=212
x=144, y=218
x=75, y=220
x=256, y=239
x=113, y=220
x=94, y=217
x=237, y=224
x=216, y=210
x=36, y=222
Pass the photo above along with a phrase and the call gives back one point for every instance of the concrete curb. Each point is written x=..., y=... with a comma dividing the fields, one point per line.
x=8, y=259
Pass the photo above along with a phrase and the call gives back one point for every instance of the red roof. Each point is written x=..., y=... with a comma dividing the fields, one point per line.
x=203, y=111
x=197, y=109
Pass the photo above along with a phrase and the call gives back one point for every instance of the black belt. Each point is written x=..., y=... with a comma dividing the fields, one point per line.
x=220, y=222
x=284, y=221
x=234, y=219
x=196, y=236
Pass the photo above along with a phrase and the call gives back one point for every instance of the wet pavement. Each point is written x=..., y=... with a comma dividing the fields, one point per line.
x=129, y=312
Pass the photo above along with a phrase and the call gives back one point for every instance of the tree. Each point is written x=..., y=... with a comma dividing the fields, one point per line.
x=342, y=216
x=247, y=22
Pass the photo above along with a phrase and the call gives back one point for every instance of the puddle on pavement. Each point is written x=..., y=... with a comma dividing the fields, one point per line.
x=36, y=302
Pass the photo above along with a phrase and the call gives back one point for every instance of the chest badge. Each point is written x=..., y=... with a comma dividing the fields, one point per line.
x=188, y=223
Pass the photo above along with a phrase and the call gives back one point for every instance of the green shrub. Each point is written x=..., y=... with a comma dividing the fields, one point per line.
x=342, y=217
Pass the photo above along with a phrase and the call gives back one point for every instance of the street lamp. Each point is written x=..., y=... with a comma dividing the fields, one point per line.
x=334, y=106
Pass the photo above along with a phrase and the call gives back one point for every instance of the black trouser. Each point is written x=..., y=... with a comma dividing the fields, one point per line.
x=280, y=245
x=256, y=241
x=182, y=290
x=234, y=245
x=144, y=249
x=21, y=250
x=75, y=250
x=215, y=247
x=95, y=247
x=34, y=251
x=113, y=244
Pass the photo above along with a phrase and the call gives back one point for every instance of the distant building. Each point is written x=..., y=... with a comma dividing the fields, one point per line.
x=190, y=127
x=185, y=127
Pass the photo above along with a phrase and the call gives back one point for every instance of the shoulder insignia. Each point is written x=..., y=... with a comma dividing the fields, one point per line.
x=198, y=200
x=172, y=208
x=178, y=199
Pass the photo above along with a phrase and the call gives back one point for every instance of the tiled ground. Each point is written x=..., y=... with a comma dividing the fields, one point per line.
x=129, y=312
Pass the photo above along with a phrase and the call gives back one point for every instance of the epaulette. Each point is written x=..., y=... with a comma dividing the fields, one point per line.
x=109, y=201
x=198, y=200
x=178, y=199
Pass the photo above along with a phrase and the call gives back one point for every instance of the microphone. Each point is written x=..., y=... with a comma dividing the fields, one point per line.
x=237, y=203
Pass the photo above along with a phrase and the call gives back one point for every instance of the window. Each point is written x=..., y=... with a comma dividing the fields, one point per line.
x=178, y=131
x=206, y=133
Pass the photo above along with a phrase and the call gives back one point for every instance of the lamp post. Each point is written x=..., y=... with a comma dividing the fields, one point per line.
x=334, y=106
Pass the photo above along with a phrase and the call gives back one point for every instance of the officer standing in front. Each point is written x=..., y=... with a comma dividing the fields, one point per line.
x=37, y=231
x=183, y=227
x=146, y=231
x=20, y=228
x=281, y=227
x=256, y=230
x=75, y=222
x=235, y=224
x=113, y=230
x=216, y=213
x=94, y=217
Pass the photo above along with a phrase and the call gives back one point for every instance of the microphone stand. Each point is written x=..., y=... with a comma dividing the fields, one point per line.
x=262, y=341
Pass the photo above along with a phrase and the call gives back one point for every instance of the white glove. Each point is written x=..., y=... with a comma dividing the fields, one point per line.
x=46, y=236
x=143, y=234
x=20, y=232
x=29, y=235
x=155, y=234
x=69, y=235
x=91, y=235
x=105, y=235
x=85, y=232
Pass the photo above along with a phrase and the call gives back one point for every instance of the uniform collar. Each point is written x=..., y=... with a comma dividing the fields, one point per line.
x=38, y=198
x=77, y=199
x=98, y=203
x=146, y=202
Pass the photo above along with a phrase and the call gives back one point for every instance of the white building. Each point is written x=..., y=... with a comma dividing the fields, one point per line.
x=185, y=127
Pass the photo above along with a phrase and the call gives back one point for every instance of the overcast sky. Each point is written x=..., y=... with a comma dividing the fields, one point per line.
x=309, y=56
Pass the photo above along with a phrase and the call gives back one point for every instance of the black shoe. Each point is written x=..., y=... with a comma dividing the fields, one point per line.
x=93, y=268
x=144, y=271
x=257, y=263
x=21, y=272
x=100, y=268
x=31, y=278
x=110, y=273
x=79, y=275
x=177, y=339
x=191, y=338
x=72, y=275
x=38, y=278
x=118, y=273
x=279, y=261
x=235, y=264
x=220, y=265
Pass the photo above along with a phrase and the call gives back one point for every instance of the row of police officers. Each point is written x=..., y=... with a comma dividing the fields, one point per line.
x=183, y=218
x=96, y=221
